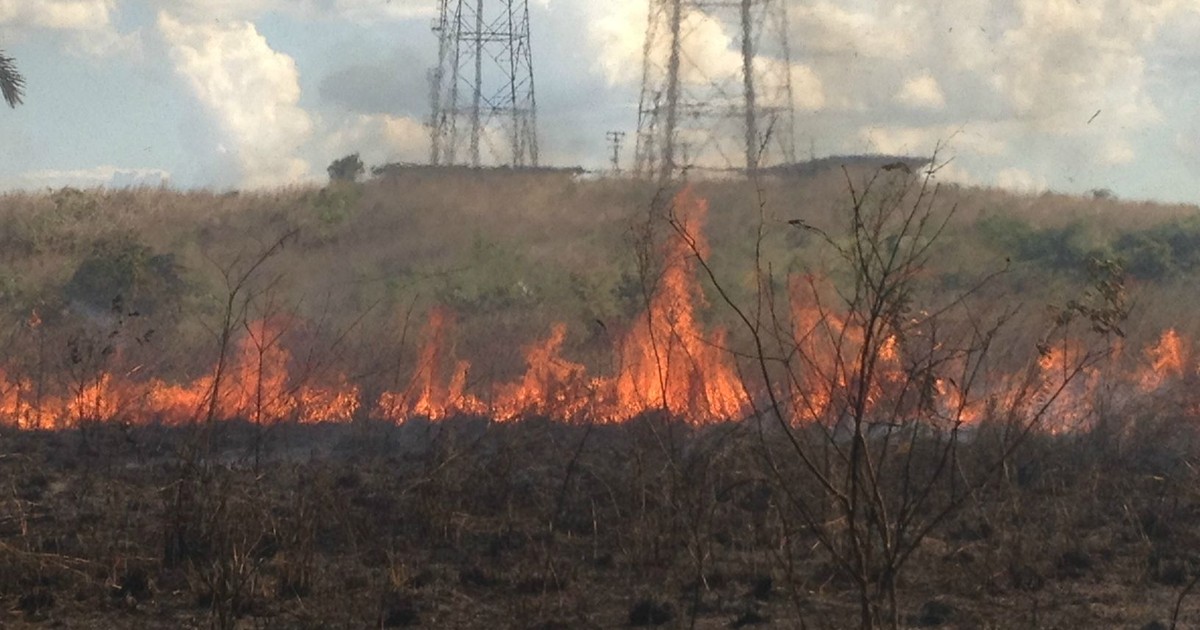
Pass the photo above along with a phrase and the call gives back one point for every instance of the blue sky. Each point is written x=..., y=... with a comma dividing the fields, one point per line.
x=259, y=93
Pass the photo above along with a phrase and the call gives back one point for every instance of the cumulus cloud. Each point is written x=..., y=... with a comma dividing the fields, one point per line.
x=1065, y=59
x=374, y=10
x=57, y=14
x=364, y=11
x=251, y=90
x=835, y=29
x=211, y=10
x=922, y=92
x=377, y=138
x=87, y=23
x=710, y=50
x=1117, y=152
x=807, y=89
x=616, y=30
x=979, y=139
x=1044, y=62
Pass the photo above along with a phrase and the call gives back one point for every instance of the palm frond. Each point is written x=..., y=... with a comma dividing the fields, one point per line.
x=12, y=84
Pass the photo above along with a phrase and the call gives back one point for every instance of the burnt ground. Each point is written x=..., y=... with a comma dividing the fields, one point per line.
x=467, y=524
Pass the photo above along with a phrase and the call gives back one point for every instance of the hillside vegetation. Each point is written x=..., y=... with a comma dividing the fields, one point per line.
x=508, y=254
x=536, y=400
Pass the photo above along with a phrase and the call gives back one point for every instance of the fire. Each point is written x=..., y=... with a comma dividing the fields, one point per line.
x=1167, y=361
x=667, y=360
x=425, y=395
x=552, y=386
x=828, y=357
x=820, y=352
x=1066, y=385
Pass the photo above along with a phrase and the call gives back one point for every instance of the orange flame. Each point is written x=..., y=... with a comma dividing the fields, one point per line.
x=667, y=361
x=425, y=396
x=1167, y=359
x=552, y=386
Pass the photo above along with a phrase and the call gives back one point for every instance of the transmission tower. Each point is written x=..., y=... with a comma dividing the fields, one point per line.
x=482, y=97
x=732, y=107
x=616, y=139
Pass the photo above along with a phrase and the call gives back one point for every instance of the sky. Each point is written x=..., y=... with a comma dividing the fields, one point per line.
x=1066, y=95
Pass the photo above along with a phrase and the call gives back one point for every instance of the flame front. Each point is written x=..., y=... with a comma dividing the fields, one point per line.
x=667, y=360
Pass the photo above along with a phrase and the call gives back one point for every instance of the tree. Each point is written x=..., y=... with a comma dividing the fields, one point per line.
x=346, y=169
x=12, y=84
x=881, y=421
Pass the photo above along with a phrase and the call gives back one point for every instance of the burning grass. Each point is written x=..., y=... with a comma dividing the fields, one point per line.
x=794, y=446
x=664, y=359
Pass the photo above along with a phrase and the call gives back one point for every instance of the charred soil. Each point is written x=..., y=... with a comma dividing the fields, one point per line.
x=537, y=524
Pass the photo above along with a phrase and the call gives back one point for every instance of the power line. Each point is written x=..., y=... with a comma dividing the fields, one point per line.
x=730, y=120
x=482, y=95
x=616, y=139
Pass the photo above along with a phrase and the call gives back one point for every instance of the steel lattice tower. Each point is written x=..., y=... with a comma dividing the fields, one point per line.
x=483, y=105
x=732, y=114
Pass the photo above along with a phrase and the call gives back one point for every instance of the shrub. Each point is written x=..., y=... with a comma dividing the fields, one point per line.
x=1066, y=248
x=123, y=270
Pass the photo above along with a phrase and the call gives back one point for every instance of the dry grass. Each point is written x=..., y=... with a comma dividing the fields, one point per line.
x=533, y=524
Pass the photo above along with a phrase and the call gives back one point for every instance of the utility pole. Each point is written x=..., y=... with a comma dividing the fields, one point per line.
x=615, y=140
x=731, y=120
x=482, y=97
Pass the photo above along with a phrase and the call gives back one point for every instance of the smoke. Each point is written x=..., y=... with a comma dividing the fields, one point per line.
x=252, y=92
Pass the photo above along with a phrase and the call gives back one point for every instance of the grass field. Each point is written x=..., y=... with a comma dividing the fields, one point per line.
x=539, y=401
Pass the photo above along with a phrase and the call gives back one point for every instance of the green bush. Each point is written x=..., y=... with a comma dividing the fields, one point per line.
x=336, y=202
x=1067, y=248
x=1146, y=257
x=494, y=278
x=122, y=271
x=1162, y=251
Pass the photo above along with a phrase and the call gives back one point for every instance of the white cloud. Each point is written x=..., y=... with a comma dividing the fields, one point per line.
x=710, y=52
x=213, y=10
x=616, y=29
x=922, y=92
x=56, y=14
x=1117, y=152
x=251, y=90
x=1066, y=59
x=87, y=23
x=378, y=139
x=370, y=11
x=106, y=176
x=827, y=28
x=978, y=139
x=363, y=11
x=808, y=91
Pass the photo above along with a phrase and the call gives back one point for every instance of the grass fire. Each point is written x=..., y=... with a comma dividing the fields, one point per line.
x=852, y=397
